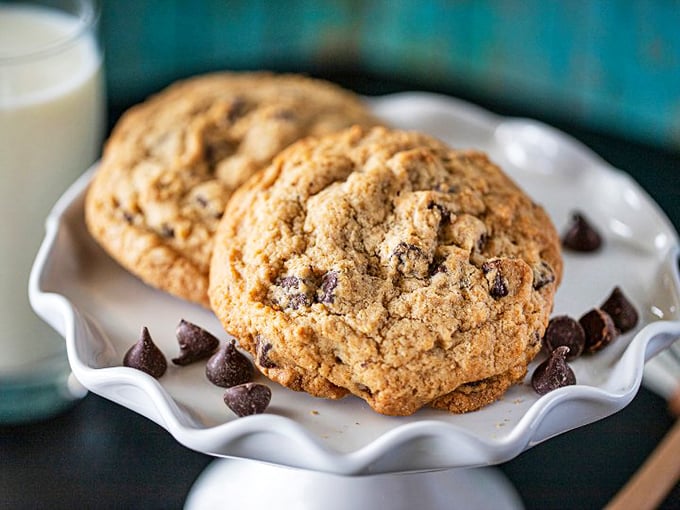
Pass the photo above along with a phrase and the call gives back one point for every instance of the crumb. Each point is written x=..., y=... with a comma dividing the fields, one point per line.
x=314, y=412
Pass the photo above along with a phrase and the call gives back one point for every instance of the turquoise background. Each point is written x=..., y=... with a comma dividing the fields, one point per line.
x=608, y=65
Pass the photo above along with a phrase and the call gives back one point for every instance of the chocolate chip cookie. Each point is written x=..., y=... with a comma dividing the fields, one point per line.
x=173, y=161
x=385, y=264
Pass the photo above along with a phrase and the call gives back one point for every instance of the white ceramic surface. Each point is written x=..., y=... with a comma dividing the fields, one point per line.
x=100, y=308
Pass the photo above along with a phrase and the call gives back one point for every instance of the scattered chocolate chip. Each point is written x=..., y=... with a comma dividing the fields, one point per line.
x=262, y=350
x=195, y=343
x=249, y=398
x=553, y=373
x=563, y=330
x=499, y=287
x=329, y=282
x=581, y=235
x=599, y=329
x=543, y=275
x=622, y=311
x=228, y=367
x=146, y=356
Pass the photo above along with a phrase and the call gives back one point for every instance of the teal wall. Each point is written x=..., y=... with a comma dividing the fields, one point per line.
x=609, y=65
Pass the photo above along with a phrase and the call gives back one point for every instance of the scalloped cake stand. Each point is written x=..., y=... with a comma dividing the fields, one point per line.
x=346, y=455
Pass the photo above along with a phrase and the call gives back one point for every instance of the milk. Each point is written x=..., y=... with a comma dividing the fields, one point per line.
x=51, y=125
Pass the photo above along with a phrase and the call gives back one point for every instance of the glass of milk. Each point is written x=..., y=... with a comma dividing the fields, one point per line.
x=52, y=115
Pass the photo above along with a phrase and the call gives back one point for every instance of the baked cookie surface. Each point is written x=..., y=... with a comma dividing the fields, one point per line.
x=173, y=161
x=384, y=264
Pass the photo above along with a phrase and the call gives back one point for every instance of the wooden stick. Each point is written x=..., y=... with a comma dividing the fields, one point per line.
x=657, y=476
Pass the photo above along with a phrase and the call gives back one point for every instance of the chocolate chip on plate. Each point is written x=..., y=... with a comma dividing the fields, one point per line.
x=622, y=311
x=195, y=343
x=553, y=373
x=599, y=329
x=249, y=398
x=581, y=235
x=228, y=367
x=563, y=330
x=146, y=356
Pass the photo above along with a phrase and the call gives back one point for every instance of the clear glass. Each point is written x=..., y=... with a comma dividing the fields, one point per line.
x=52, y=119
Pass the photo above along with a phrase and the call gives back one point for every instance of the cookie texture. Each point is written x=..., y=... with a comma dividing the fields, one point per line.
x=173, y=161
x=384, y=264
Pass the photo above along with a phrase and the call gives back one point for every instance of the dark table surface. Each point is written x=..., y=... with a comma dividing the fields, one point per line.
x=101, y=455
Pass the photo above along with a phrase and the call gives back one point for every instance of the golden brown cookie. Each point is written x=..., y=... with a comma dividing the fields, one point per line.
x=173, y=161
x=385, y=264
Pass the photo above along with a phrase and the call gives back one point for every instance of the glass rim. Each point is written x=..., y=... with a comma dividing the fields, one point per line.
x=88, y=17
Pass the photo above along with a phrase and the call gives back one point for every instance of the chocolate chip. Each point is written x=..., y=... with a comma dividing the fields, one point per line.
x=411, y=260
x=289, y=282
x=146, y=356
x=329, y=282
x=262, y=350
x=499, y=287
x=622, y=311
x=553, y=373
x=443, y=211
x=202, y=201
x=228, y=367
x=195, y=343
x=236, y=110
x=437, y=266
x=167, y=230
x=599, y=329
x=581, y=235
x=404, y=250
x=563, y=330
x=543, y=275
x=128, y=217
x=247, y=399
x=299, y=300
x=481, y=242
x=290, y=298
x=365, y=389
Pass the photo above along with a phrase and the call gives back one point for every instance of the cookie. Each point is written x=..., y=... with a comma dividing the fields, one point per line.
x=385, y=264
x=173, y=161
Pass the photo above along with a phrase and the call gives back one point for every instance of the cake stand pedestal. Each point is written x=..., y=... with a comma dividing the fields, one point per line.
x=253, y=485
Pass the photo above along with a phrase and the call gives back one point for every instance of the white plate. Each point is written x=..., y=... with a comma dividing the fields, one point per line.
x=100, y=308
